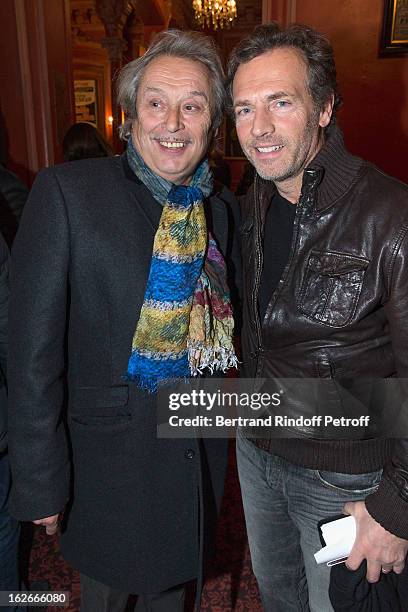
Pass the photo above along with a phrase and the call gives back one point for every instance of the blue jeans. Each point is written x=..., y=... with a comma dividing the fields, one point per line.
x=283, y=504
x=9, y=535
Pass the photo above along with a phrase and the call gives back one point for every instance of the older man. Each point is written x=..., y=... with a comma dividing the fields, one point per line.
x=119, y=281
x=325, y=248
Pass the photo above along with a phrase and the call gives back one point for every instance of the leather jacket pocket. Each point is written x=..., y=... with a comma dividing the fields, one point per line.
x=331, y=287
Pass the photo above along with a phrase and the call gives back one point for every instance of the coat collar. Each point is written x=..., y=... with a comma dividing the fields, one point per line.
x=337, y=169
x=127, y=170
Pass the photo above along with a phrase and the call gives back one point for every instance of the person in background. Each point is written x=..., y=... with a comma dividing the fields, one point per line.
x=119, y=280
x=13, y=196
x=246, y=180
x=325, y=256
x=9, y=527
x=83, y=141
x=220, y=168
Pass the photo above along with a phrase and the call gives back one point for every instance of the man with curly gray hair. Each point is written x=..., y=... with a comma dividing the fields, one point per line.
x=111, y=283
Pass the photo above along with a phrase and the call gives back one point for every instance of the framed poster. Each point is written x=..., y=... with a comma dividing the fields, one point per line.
x=394, y=39
x=86, y=108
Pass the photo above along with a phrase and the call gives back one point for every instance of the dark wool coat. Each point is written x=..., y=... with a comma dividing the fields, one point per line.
x=80, y=266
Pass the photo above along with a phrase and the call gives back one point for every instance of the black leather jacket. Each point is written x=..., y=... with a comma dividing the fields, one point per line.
x=341, y=306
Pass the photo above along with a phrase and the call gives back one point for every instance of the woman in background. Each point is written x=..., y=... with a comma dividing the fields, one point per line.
x=82, y=141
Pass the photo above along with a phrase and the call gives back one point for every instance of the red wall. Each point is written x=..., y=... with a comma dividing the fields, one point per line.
x=36, y=98
x=59, y=61
x=12, y=126
x=374, y=116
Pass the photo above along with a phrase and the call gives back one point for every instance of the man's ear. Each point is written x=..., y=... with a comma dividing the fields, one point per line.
x=326, y=113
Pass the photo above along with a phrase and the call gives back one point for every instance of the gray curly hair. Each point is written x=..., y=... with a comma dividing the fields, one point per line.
x=175, y=43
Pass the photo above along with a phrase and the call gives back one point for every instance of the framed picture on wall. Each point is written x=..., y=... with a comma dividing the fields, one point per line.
x=86, y=107
x=232, y=148
x=92, y=91
x=394, y=39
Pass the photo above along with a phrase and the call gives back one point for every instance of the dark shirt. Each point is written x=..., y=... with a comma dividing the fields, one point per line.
x=277, y=241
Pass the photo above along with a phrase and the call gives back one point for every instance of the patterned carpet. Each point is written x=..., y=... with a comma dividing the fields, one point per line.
x=230, y=585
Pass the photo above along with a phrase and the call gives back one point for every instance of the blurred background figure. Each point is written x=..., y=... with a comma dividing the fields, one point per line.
x=83, y=141
x=13, y=194
x=220, y=168
x=9, y=527
x=246, y=180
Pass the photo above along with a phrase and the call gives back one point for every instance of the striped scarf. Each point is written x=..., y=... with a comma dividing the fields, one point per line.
x=186, y=322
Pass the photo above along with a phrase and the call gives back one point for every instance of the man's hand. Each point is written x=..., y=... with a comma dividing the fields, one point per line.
x=50, y=523
x=384, y=551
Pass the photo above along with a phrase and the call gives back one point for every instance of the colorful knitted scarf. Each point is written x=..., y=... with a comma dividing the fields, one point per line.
x=186, y=322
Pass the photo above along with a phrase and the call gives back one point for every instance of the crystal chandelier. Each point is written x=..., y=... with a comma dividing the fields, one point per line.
x=218, y=13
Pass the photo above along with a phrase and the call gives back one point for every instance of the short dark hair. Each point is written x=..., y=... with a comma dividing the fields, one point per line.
x=315, y=48
x=83, y=141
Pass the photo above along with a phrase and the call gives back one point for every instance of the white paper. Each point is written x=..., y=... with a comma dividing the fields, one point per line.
x=339, y=538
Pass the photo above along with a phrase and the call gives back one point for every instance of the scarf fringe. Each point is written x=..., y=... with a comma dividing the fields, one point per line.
x=200, y=358
x=219, y=358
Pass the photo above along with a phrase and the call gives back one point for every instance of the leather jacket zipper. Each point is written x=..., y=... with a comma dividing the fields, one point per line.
x=308, y=191
x=258, y=268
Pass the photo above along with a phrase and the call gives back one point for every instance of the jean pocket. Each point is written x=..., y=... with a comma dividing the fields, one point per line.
x=350, y=483
x=248, y=449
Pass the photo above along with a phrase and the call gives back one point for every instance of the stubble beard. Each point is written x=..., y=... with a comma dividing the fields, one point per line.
x=296, y=164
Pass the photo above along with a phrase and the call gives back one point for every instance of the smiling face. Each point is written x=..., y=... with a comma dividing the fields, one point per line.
x=277, y=123
x=172, y=125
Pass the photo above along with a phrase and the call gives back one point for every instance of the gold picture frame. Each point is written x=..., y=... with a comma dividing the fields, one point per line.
x=394, y=38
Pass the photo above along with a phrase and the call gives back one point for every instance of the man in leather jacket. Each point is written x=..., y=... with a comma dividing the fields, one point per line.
x=324, y=240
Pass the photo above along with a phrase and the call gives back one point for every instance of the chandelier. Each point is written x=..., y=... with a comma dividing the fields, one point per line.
x=218, y=13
